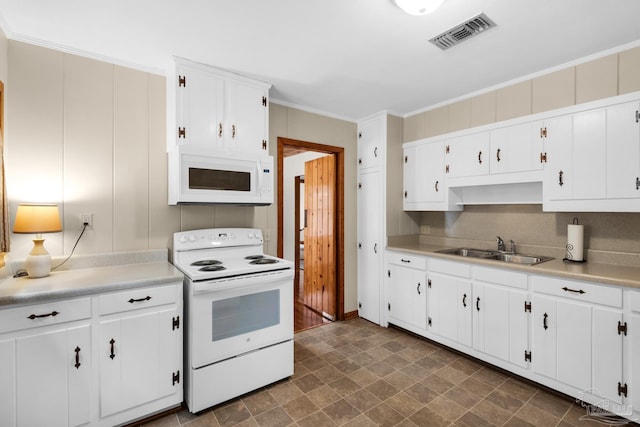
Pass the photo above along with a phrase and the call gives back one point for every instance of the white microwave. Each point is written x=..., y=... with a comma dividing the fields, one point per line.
x=200, y=175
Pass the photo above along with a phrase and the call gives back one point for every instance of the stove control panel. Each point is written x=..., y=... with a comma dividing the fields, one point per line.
x=216, y=237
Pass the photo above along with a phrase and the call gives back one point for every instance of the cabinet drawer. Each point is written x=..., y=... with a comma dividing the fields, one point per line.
x=450, y=267
x=581, y=291
x=408, y=260
x=136, y=299
x=499, y=276
x=34, y=316
x=635, y=301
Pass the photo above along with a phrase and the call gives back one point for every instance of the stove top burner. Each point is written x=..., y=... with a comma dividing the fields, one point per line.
x=264, y=261
x=212, y=268
x=206, y=262
x=254, y=257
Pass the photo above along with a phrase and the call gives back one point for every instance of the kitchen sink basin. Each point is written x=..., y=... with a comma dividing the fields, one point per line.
x=513, y=258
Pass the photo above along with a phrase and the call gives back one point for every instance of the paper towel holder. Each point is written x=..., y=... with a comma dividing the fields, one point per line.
x=569, y=247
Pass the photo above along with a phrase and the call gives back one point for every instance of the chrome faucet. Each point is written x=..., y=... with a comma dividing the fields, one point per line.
x=513, y=246
x=500, y=243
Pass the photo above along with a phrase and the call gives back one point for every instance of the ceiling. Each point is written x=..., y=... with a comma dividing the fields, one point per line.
x=345, y=58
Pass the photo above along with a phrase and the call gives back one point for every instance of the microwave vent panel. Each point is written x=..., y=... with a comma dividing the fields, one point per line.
x=464, y=31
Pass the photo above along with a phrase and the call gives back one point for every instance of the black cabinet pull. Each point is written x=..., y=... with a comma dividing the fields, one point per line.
x=77, y=364
x=579, y=291
x=560, y=181
x=498, y=155
x=113, y=353
x=437, y=187
x=38, y=316
x=478, y=304
x=405, y=260
x=544, y=321
x=147, y=298
x=418, y=288
x=464, y=300
x=480, y=157
x=375, y=152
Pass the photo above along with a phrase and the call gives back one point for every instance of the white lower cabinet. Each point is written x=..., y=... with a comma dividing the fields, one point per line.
x=450, y=301
x=60, y=367
x=500, y=315
x=45, y=378
x=406, y=291
x=576, y=338
x=634, y=365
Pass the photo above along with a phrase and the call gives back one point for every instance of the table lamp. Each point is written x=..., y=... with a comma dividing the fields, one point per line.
x=37, y=219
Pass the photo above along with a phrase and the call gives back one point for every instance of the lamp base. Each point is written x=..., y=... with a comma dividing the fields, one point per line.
x=38, y=262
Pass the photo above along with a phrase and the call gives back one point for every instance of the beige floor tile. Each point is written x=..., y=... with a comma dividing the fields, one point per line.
x=463, y=397
x=426, y=417
x=276, y=417
x=259, y=402
x=446, y=408
x=341, y=411
x=550, y=403
x=300, y=408
x=363, y=400
x=505, y=401
x=382, y=389
x=490, y=412
x=384, y=415
x=537, y=416
x=232, y=414
x=404, y=404
x=317, y=419
x=323, y=396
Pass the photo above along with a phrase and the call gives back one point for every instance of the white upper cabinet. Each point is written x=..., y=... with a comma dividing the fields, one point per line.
x=221, y=110
x=623, y=151
x=371, y=139
x=557, y=134
x=514, y=149
x=468, y=155
x=589, y=155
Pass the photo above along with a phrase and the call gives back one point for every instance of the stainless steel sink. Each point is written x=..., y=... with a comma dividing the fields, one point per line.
x=514, y=258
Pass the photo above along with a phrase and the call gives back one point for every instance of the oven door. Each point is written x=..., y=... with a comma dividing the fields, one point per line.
x=232, y=316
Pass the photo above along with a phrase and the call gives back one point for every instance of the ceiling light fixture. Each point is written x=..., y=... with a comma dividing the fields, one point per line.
x=418, y=7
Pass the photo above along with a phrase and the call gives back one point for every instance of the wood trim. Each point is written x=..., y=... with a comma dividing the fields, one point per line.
x=296, y=231
x=338, y=152
x=351, y=315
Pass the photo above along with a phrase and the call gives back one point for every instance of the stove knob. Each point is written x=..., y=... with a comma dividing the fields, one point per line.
x=183, y=239
x=192, y=238
x=251, y=236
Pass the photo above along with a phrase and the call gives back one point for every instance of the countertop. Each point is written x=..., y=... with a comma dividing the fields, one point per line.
x=619, y=275
x=85, y=281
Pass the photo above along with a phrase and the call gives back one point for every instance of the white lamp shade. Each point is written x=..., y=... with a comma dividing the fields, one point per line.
x=418, y=7
x=36, y=219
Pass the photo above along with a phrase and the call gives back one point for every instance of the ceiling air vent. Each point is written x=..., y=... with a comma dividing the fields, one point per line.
x=474, y=26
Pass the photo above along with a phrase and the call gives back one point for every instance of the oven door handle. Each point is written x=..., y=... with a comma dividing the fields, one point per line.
x=239, y=282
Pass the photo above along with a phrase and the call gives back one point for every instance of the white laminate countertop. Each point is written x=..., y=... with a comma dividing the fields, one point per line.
x=612, y=274
x=86, y=281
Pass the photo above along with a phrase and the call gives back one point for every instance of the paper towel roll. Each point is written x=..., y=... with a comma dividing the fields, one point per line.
x=575, y=242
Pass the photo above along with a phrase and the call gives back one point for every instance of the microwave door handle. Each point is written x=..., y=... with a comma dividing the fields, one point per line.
x=259, y=176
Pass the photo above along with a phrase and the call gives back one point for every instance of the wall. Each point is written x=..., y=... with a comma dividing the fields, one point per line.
x=606, y=76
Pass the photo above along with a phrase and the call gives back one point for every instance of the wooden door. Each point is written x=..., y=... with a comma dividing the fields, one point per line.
x=319, y=236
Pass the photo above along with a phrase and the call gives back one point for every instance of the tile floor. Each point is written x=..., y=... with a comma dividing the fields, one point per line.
x=355, y=373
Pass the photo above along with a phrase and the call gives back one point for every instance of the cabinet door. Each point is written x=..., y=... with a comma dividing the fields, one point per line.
x=246, y=124
x=607, y=353
x=370, y=245
x=450, y=304
x=545, y=336
x=48, y=379
x=370, y=142
x=574, y=344
x=558, y=167
x=518, y=328
x=406, y=292
x=491, y=320
x=468, y=155
x=589, y=155
x=623, y=151
x=423, y=174
x=634, y=331
x=8, y=382
x=514, y=149
x=200, y=105
x=138, y=357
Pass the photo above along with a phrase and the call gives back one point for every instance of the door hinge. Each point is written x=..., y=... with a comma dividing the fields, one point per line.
x=527, y=356
x=543, y=132
x=264, y=144
x=389, y=306
x=622, y=328
x=175, y=323
x=446, y=169
x=264, y=101
x=388, y=273
x=429, y=283
x=447, y=149
x=637, y=116
x=182, y=81
x=429, y=321
x=527, y=307
x=175, y=377
x=623, y=390
x=359, y=135
x=543, y=157
x=182, y=132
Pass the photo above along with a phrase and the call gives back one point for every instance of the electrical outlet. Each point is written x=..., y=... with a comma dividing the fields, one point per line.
x=86, y=218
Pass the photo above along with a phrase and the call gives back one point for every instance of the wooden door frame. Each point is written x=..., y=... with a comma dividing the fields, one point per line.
x=338, y=153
